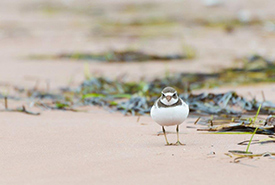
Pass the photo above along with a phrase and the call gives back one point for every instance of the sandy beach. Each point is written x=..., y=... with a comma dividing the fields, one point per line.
x=102, y=147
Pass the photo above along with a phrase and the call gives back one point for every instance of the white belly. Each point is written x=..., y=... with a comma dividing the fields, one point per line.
x=169, y=116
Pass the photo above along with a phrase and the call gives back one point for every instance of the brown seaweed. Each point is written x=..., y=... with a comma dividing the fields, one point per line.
x=115, y=56
x=137, y=97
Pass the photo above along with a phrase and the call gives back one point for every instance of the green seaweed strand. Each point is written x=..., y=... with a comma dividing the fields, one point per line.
x=254, y=130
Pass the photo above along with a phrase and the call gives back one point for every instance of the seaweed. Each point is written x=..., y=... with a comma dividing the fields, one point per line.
x=240, y=155
x=238, y=129
x=142, y=22
x=262, y=141
x=230, y=124
x=118, y=56
x=228, y=24
x=233, y=124
x=136, y=98
x=255, y=69
x=19, y=109
x=247, y=126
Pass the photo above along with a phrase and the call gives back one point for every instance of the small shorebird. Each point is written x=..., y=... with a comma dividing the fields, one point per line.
x=169, y=110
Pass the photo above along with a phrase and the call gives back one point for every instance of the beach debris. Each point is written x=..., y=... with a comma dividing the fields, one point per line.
x=247, y=153
x=243, y=19
x=24, y=110
x=241, y=155
x=6, y=102
x=21, y=109
x=270, y=121
x=230, y=124
x=55, y=105
x=105, y=92
x=197, y=120
x=136, y=98
x=116, y=56
x=262, y=141
x=239, y=129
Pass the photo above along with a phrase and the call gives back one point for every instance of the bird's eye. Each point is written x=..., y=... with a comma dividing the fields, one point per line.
x=163, y=95
x=174, y=95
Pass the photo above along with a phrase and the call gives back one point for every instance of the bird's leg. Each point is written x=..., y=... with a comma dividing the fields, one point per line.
x=167, y=143
x=178, y=140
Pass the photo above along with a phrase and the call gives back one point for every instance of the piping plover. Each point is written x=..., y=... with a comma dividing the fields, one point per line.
x=169, y=110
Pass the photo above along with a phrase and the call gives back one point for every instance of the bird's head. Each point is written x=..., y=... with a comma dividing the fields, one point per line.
x=169, y=96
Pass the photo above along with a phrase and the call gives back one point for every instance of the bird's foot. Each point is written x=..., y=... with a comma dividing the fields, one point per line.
x=168, y=144
x=178, y=143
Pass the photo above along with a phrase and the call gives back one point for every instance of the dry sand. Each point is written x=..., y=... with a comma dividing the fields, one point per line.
x=108, y=148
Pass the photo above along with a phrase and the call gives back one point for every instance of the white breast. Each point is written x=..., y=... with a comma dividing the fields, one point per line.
x=168, y=116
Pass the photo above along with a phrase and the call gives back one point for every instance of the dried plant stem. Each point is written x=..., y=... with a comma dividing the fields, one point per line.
x=6, y=102
x=263, y=96
x=197, y=120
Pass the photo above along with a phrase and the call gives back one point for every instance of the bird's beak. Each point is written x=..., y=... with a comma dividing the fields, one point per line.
x=168, y=98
